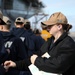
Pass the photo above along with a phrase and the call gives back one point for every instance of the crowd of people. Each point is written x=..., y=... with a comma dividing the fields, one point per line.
x=21, y=47
x=19, y=43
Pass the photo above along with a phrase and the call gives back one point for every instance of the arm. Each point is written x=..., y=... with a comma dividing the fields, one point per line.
x=58, y=64
x=4, y=53
x=19, y=65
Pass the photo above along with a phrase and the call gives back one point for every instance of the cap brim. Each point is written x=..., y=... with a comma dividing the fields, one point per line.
x=43, y=25
x=2, y=22
x=47, y=23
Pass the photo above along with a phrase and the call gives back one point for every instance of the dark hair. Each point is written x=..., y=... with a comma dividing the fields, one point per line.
x=27, y=25
x=67, y=27
x=36, y=31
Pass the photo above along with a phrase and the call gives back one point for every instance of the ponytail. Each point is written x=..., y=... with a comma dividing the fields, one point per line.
x=67, y=27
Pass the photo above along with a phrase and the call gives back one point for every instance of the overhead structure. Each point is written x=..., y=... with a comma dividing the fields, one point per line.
x=23, y=8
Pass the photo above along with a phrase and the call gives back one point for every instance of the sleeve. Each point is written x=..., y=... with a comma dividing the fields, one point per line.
x=2, y=70
x=22, y=65
x=3, y=55
x=59, y=63
x=1, y=41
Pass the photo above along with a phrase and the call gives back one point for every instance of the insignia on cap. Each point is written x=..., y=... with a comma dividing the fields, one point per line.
x=59, y=21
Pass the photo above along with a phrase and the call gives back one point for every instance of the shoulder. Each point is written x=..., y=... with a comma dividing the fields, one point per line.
x=68, y=42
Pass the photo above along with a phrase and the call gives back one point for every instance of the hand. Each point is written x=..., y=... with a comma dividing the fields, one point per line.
x=8, y=64
x=33, y=58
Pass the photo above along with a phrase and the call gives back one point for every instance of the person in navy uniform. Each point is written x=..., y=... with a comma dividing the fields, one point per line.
x=20, y=32
x=14, y=44
x=3, y=52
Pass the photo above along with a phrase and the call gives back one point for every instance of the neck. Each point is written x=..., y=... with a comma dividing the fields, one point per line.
x=57, y=36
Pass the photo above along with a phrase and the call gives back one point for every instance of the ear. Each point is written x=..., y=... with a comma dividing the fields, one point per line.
x=1, y=27
x=59, y=26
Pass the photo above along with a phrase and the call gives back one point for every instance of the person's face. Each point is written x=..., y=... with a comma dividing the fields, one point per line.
x=19, y=25
x=53, y=29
